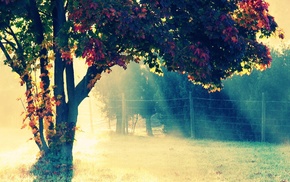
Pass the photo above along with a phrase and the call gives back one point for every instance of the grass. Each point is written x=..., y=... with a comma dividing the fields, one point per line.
x=138, y=158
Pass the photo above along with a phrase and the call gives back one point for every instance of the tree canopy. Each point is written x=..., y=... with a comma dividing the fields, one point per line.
x=209, y=40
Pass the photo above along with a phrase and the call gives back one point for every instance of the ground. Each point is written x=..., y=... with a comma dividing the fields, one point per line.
x=104, y=156
x=131, y=158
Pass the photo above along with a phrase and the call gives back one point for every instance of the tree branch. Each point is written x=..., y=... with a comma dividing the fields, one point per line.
x=37, y=27
x=17, y=70
x=44, y=145
x=10, y=43
x=70, y=84
x=5, y=52
x=84, y=87
x=15, y=38
x=19, y=51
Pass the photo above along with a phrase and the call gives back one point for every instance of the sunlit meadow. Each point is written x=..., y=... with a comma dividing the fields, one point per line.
x=107, y=157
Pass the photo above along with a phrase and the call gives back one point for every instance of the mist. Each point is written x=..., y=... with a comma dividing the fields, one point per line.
x=11, y=97
x=269, y=88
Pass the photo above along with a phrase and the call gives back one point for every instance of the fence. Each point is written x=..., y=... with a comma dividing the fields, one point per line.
x=259, y=120
x=225, y=119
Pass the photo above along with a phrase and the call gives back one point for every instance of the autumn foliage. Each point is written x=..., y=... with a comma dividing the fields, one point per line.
x=207, y=40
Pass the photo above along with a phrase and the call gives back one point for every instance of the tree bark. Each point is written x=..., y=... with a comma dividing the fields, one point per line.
x=148, y=126
x=119, y=124
x=59, y=64
x=66, y=112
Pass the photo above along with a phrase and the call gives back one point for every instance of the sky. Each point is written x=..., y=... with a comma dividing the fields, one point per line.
x=280, y=9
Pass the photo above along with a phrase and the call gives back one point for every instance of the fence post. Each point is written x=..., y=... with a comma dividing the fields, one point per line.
x=191, y=116
x=123, y=114
x=263, y=118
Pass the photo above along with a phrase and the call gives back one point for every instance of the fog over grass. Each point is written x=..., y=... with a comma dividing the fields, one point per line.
x=110, y=158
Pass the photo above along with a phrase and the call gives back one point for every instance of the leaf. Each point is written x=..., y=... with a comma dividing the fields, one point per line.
x=29, y=139
x=57, y=103
x=23, y=126
x=98, y=76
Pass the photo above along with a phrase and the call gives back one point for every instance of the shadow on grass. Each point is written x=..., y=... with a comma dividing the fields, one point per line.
x=51, y=170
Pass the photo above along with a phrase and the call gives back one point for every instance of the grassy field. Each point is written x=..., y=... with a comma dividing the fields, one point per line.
x=139, y=158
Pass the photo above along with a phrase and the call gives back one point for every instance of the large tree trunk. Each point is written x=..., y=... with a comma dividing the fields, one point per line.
x=59, y=158
x=58, y=161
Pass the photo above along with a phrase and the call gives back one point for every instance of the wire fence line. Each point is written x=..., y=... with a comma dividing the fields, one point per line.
x=212, y=118
x=259, y=120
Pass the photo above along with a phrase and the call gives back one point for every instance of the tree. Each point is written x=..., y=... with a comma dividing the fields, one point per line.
x=207, y=40
x=138, y=88
x=269, y=81
x=273, y=84
x=173, y=105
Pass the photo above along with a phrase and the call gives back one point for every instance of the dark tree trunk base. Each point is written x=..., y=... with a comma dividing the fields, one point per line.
x=51, y=167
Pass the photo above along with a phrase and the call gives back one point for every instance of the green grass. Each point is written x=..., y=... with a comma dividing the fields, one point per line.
x=133, y=158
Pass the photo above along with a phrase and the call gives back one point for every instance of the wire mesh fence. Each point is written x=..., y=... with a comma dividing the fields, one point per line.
x=256, y=120
x=211, y=118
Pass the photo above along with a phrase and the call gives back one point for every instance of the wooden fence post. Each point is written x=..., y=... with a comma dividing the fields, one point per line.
x=191, y=116
x=263, y=118
x=123, y=114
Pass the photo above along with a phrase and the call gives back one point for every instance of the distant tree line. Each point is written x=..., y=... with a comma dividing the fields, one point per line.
x=148, y=94
x=274, y=82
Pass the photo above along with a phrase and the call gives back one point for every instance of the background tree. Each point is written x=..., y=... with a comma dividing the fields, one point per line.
x=273, y=83
x=172, y=100
x=207, y=40
x=138, y=87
